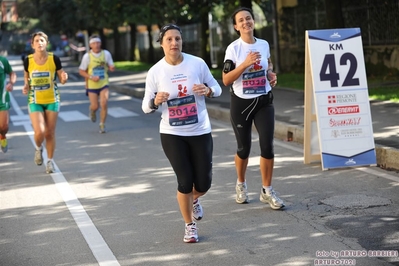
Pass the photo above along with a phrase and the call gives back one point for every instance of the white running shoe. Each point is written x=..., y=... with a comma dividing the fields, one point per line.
x=92, y=115
x=191, y=234
x=50, y=167
x=198, y=212
x=102, y=128
x=38, y=156
x=242, y=193
x=275, y=202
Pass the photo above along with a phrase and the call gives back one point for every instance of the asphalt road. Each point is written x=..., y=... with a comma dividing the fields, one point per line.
x=113, y=200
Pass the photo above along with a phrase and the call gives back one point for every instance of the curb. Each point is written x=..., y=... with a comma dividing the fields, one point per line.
x=387, y=157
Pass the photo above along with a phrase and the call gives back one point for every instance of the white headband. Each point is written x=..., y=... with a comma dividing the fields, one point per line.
x=96, y=39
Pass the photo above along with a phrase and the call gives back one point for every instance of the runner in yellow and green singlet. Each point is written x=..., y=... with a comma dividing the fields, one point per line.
x=41, y=70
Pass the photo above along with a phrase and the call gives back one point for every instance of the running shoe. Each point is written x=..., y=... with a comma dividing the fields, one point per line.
x=39, y=156
x=102, y=128
x=242, y=193
x=275, y=202
x=92, y=115
x=198, y=212
x=4, y=145
x=191, y=234
x=50, y=167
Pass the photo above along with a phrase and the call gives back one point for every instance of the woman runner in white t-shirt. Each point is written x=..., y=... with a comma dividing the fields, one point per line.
x=178, y=85
x=249, y=71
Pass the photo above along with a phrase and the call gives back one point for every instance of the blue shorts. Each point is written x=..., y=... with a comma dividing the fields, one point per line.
x=96, y=91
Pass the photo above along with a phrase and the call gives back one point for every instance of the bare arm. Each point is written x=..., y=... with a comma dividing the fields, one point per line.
x=62, y=76
x=271, y=76
x=26, y=87
x=13, y=79
x=84, y=73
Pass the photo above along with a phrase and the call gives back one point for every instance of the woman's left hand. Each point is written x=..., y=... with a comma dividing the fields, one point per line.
x=200, y=89
x=64, y=77
x=272, y=78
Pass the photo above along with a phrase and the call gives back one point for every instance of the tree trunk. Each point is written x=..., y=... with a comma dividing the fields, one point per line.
x=205, y=53
x=103, y=39
x=276, y=43
x=334, y=15
x=117, y=45
x=150, y=57
x=133, y=29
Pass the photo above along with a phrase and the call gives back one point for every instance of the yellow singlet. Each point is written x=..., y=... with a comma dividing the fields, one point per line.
x=98, y=67
x=43, y=88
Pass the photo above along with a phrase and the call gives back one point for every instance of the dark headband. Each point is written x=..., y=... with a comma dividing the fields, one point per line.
x=166, y=28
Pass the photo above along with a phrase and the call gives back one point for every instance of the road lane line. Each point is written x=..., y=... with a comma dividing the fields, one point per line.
x=94, y=239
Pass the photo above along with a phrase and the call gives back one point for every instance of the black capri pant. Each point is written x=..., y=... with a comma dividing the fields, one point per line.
x=260, y=111
x=191, y=160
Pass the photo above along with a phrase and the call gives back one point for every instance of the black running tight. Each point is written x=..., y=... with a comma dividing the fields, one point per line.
x=191, y=159
x=260, y=111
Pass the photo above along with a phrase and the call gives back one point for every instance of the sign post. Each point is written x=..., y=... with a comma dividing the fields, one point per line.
x=337, y=108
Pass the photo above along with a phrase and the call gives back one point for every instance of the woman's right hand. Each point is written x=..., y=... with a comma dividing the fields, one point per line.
x=161, y=97
x=252, y=58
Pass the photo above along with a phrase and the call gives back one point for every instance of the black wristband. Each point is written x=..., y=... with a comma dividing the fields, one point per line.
x=209, y=93
x=152, y=104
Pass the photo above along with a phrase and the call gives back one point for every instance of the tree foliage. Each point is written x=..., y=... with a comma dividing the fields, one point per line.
x=56, y=16
x=71, y=16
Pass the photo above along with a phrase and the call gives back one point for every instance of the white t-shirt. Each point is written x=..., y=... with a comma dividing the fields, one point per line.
x=253, y=81
x=185, y=113
x=84, y=64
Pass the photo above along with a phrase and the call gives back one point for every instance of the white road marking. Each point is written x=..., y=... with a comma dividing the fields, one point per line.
x=117, y=112
x=71, y=116
x=94, y=239
x=19, y=118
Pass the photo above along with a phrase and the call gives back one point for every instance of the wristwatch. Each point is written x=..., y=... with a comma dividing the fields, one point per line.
x=152, y=104
x=209, y=93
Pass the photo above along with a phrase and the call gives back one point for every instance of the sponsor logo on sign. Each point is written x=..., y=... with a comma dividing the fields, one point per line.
x=331, y=99
x=350, y=162
x=335, y=133
x=341, y=110
x=342, y=98
x=346, y=133
x=344, y=122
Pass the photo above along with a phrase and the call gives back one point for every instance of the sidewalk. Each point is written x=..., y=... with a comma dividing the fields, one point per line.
x=289, y=112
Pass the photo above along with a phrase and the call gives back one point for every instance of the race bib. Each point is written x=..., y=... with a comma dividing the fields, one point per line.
x=254, y=82
x=99, y=71
x=40, y=80
x=182, y=111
